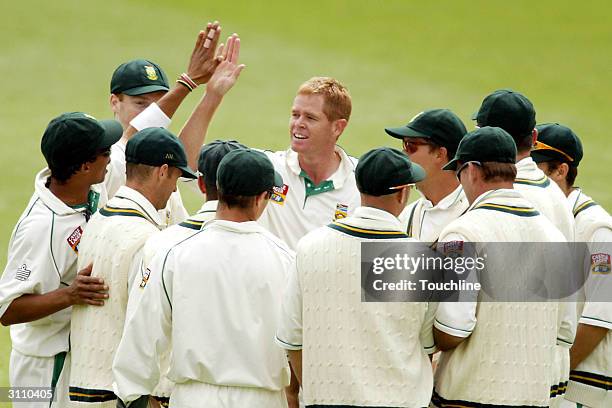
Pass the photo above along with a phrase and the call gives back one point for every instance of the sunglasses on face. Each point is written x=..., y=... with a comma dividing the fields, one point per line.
x=411, y=145
x=464, y=166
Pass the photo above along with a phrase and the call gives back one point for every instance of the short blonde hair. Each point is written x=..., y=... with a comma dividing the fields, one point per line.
x=337, y=99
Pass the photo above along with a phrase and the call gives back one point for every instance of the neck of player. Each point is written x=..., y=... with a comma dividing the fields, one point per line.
x=319, y=167
x=73, y=192
x=438, y=185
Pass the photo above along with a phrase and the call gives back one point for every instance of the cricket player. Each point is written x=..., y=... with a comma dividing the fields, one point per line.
x=113, y=242
x=40, y=281
x=217, y=294
x=514, y=113
x=558, y=153
x=345, y=352
x=431, y=139
x=488, y=356
x=141, y=98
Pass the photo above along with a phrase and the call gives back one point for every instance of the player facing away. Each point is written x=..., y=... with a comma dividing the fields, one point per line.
x=237, y=269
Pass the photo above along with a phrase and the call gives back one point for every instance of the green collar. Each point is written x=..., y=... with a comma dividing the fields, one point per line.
x=312, y=189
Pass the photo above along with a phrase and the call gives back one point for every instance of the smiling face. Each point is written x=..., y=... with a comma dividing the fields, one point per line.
x=310, y=130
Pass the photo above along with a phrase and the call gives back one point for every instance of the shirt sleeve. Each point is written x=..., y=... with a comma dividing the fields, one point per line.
x=115, y=176
x=30, y=268
x=175, y=211
x=289, y=333
x=146, y=334
x=598, y=289
x=426, y=335
x=455, y=318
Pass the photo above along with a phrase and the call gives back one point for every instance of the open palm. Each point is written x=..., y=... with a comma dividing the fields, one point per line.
x=228, y=70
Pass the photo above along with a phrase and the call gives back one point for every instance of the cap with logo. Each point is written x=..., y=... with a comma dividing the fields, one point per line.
x=247, y=172
x=442, y=126
x=75, y=137
x=211, y=155
x=385, y=170
x=138, y=77
x=486, y=144
x=156, y=147
x=509, y=110
x=557, y=142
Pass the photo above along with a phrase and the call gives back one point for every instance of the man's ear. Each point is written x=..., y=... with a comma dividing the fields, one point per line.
x=443, y=154
x=164, y=171
x=338, y=127
x=201, y=184
x=562, y=170
x=114, y=103
x=534, y=136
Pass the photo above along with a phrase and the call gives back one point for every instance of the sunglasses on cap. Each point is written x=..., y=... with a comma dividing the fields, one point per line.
x=464, y=166
x=543, y=146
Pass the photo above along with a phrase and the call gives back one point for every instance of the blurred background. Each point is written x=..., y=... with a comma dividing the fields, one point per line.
x=396, y=57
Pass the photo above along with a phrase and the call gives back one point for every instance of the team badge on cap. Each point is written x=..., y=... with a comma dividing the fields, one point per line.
x=600, y=264
x=341, y=211
x=279, y=194
x=151, y=74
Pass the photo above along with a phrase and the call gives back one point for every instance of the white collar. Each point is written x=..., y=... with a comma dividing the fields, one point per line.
x=501, y=195
x=51, y=200
x=247, y=227
x=373, y=218
x=127, y=197
x=345, y=169
x=528, y=169
x=446, y=202
x=208, y=206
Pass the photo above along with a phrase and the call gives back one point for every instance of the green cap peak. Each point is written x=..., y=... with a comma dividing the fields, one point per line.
x=486, y=144
x=247, y=172
x=384, y=170
x=156, y=147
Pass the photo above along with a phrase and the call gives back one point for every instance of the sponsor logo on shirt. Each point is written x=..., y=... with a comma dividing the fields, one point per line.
x=279, y=194
x=75, y=238
x=452, y=248
x=600, y=263
x=23, y=273
x=341, y=211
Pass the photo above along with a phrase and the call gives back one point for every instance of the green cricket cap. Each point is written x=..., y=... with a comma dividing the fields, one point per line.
x=138, y=77
x=247, y=172
x=384, y=170
x=156, y=147
x=557, y=142
x=509, y=110
x=211, y=155
x=486, y=144
x=75, y=137
x=442, y=126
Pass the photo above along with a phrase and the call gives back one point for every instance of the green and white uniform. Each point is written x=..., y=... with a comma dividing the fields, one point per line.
x=354, y=353
x=302, y=207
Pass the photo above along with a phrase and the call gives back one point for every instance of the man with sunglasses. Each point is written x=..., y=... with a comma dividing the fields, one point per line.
x=217, y=296
x=40, y=281
x=345, y=352
x=430, y=139
x=558, y=153
x=487, y=348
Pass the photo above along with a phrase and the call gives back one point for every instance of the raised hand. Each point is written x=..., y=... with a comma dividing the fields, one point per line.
x=228, y=70
x=203, y=61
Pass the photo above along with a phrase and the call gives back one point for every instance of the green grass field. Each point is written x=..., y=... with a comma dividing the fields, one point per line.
x=397, y=58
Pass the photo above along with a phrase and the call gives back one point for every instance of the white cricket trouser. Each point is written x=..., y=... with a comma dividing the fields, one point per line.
x=30, y=371
x=195, y=394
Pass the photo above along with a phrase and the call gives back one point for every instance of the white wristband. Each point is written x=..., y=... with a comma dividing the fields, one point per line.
x=152, y=116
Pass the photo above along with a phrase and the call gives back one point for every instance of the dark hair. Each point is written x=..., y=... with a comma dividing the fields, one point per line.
x=62, y=173
x=239, y=201
x=523, y=143
x=494, y=171
x=572, y=172
x=211, y=190
x=138, y=171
